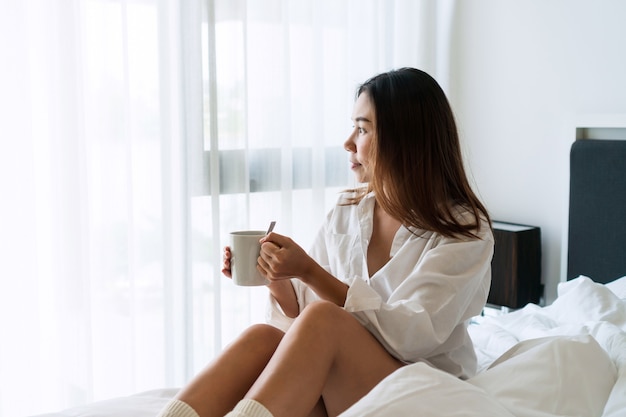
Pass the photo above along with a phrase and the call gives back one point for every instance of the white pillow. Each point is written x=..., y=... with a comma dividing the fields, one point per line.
x=581, y=300
x=618, y=287
x=560, y=375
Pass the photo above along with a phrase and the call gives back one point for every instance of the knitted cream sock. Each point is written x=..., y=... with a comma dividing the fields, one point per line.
x=177, y=408
x=249, y=408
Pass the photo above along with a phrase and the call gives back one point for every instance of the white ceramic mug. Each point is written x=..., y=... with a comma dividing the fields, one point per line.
x=245, y=249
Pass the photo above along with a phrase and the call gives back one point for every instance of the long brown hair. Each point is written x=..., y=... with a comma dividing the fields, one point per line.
x=417, y=171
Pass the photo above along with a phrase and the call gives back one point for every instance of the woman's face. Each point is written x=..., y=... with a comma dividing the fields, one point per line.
x=358, y=143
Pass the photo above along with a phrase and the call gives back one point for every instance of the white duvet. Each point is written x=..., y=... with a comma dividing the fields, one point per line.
x=567, y=359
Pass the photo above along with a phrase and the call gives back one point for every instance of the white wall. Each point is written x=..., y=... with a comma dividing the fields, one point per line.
x=523, y=75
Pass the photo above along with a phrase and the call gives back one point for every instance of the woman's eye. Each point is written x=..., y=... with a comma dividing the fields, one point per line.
x=361, y=131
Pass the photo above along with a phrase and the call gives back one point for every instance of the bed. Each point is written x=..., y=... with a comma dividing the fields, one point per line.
x=565, y=359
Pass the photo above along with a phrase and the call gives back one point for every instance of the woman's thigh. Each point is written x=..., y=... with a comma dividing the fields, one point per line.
x=360, y=363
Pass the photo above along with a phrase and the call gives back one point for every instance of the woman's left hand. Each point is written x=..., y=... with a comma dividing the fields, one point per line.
x=282, y=258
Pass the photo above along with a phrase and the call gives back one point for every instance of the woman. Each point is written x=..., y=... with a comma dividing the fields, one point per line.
x=395, y=274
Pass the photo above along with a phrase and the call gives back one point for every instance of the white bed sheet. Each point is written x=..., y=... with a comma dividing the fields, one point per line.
x=145, y=404
x=567, y=359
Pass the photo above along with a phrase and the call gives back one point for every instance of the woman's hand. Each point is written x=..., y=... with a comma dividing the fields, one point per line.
x=226, y=262
x=281, y=258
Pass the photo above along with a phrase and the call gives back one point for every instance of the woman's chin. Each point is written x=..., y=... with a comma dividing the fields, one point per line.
x=360, y=175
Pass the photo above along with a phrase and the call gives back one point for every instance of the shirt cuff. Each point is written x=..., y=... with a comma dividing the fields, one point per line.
x=361, y=297
x=275, y=316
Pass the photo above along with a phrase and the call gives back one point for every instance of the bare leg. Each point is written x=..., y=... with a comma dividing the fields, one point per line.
x=326, y=352
x=319, y=410
x=218, y=388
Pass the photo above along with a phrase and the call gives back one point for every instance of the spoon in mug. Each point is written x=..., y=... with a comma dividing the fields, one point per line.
x=269, y=230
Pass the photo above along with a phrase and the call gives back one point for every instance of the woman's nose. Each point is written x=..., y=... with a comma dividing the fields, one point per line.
x=348, y=145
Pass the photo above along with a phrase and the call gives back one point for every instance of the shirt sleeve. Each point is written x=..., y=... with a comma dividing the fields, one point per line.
x=449, y=285
x=274, y=314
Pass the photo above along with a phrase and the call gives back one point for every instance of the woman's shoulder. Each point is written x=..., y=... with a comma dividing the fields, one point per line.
x=466, y=216
x=480, y=229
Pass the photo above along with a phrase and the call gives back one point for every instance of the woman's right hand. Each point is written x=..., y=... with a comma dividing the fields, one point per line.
x=226, y=262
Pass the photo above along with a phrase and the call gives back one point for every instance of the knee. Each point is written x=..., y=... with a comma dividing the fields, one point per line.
x=323, y=312
x=262, y=335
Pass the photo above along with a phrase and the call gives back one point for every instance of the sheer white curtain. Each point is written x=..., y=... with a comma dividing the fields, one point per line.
x=93, y=191
x=136, y=134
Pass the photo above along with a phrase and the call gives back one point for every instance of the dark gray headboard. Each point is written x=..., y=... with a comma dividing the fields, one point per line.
x=597, y=210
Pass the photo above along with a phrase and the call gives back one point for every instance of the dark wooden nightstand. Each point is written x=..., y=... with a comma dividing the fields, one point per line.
x=516, y=265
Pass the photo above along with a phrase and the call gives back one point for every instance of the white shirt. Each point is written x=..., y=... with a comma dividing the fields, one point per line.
x=419, y=304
